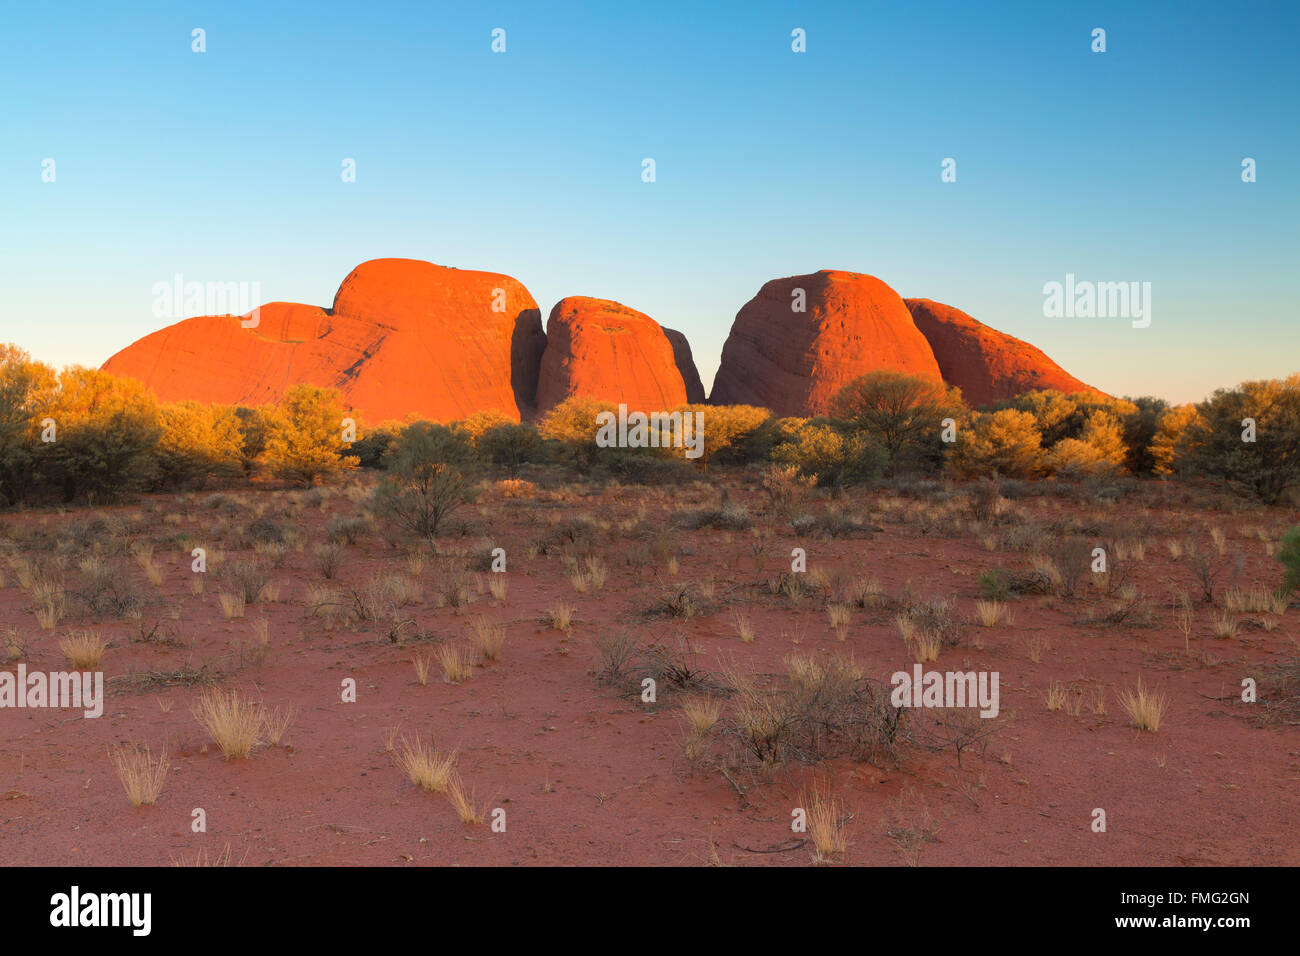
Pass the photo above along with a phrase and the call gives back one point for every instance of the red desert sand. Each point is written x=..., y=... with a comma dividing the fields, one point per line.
x=585, y=771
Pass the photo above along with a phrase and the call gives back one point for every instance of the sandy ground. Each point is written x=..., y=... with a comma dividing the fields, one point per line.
x=587, y=774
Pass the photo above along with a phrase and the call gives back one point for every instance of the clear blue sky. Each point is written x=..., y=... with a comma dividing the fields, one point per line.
x=225, y=166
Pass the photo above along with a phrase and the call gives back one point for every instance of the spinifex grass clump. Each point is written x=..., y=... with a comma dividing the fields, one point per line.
x=559, y=616
x=989, y=612
x=701, y=713
x=421, y=662
x=275, y=723
x=456, y=667
x=464, y=801
x=825, y=822
x=427, y=768
x=488, y=638
x=142, y=775
x=1145, y=708
x=236, y=723
x=83, y=649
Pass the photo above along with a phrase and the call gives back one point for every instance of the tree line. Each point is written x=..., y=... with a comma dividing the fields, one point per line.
x=81, y=434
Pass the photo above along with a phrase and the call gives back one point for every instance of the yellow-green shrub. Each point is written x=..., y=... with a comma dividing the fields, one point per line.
x=1005, y=442
x=304, y=435
x=198, y=442
x=106, y=432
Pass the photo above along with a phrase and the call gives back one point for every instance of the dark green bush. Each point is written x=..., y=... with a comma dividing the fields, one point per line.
x=1289, y=555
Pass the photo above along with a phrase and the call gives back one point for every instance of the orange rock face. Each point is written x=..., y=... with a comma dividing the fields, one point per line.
x=987, y=365
x=404, y=337
x=686, y=365
x=601, y=349
x=793, y=361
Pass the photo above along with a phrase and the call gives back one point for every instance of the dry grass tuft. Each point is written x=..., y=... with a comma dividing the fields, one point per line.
x=1145, y=708
x=232, y=605
x=839, y=615
x=422, y=661
x=701, y=714
x=1056, y=696
x=427, y=768
x=201, y=858
x=1225, y=627
x=142, y=775
x=925, y=646
x=868, y=593
x=390, y=737
x=455, y=668
x=825, y=814
x=275, y=723
x=559, y=616
x=990, y=612
x=464, y=803
x=83, y=649
x=591, y=577
x=236, y=723
x=151, y=570
x=1257, y=600
x=51, y=605
x=487, y=638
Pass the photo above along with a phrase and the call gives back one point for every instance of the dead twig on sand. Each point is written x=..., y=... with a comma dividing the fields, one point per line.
x=776, y=849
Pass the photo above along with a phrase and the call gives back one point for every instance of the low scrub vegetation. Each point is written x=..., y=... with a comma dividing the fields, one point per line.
x=112, y=439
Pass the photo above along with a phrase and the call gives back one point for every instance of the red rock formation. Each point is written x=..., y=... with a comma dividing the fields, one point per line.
x=686, y=365
x=987, y=365
x=409, y=338
x=601, y=349
x=794, y=362
x=404, y=337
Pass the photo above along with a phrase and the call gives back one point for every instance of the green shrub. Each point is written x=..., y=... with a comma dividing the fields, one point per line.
x=902, y=414
x=106, y=435
x=726, y=517
x=428, y=478
x=26, y=398
x=374, y=444
x=830, y=457
x=733, y=434
x=995, y=584
x=1140, y=430
x=253, y=427
x=1267, y=466
x=570, y=428
x=1289, y=555
x=509, y=446
x=344, y=529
